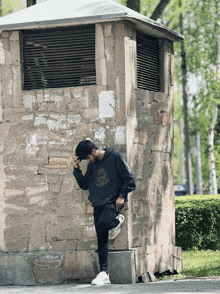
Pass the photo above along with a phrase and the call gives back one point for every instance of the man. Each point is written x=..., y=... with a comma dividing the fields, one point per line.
x=109, y=180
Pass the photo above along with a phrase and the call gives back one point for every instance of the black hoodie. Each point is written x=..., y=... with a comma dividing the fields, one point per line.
x=106, y=179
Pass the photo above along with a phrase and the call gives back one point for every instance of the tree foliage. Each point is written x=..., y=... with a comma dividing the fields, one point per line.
x=10, y=6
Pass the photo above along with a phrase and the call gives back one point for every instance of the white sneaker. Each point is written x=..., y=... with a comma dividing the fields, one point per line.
x=101, y=279
x=113, y=233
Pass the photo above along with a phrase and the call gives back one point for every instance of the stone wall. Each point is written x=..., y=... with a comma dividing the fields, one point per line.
x=42, y=206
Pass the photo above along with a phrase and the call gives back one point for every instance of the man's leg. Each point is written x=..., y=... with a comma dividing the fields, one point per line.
x=105, y=219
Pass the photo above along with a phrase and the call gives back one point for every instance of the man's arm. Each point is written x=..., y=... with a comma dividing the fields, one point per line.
x=81, y=180
x=127, y=178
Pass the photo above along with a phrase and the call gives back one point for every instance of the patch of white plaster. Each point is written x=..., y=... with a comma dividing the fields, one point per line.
x=46, y=97
x=2, y=54
x=167, y=147
x=40, y=120
x=32, y=145
x=28, y=101
x=120, y=135
x=73, y=119
x=28, y=117
x=55, y=125
x=106, y=104
x=100, y=135
x=86, y=99
x=40, y=97
x=57, y=122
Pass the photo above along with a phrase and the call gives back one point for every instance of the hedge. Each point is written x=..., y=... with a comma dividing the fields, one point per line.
x=198, y=222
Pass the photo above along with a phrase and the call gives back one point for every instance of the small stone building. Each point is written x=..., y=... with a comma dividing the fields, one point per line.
x=72, y=70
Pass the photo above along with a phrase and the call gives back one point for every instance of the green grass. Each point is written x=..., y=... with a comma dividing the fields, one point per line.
x=198, y=263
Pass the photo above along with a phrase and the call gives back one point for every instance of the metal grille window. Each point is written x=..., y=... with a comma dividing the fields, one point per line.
x=58, y=58
x=147, y=63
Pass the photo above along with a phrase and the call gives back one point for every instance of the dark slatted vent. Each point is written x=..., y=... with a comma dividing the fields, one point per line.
x=147, y=63
x=59, y=58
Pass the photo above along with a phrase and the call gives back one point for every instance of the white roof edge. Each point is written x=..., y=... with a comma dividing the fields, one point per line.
x=130, y=15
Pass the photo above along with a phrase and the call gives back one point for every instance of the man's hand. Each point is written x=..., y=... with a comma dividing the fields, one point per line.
x=75, y=161
x=119, y=202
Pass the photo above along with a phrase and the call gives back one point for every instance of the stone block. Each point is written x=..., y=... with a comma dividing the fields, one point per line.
x=70, y=209
x=17, y=200
x=122, y=262
x=64, y=245
x=14, y=36
x=64, y=222
x=55, y=166
x=48, y=263
x=80, y=266
x=71, y=233
x=108, y=30
x=163, y=267
x=2, y=54
x=16, y=233
x=29, y=180
x=146, y=278
x=17, y=95
x=15, y=52
x=31, y=191
x=37, y=232
x=89, y=208
x=48, y=275
x=12, y=220
x=67, y=186
x=15, y=270
x=59, y=159
x=152, y=277
x=166, y=120
x=17, y=246
x=120, y=49
x=5, y=42
x=55, y=179
x=13, y=192
x=20, y=170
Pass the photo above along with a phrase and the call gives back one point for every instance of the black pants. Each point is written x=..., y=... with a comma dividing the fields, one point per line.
x=105, y=220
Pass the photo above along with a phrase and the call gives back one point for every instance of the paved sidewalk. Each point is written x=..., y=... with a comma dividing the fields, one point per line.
x=208, y=286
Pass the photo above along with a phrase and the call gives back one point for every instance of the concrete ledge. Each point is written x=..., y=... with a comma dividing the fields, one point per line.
x=56, y=267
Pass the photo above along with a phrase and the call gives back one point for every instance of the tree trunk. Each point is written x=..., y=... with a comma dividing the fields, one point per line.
x=134, y=4
x=212, y=173
x=182, y=170
x=159, y=9
x=185, y=102
x=199, y=190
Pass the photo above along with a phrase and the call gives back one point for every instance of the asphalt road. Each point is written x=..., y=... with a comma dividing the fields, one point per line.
x=179, y=287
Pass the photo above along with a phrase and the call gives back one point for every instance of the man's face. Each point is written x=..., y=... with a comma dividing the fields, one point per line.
x=92, y=157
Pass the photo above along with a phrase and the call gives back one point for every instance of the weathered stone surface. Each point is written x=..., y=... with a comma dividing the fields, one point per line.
x=79, y=265
x=18, y=246
x=16, y=233
x=37, y=232
x=20, y=170
x=11, y=192
x=71, y=233
x=64, y=245
x=31, y=191
x=15, y=270
x=122, y=262
x=55, y=166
